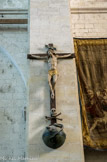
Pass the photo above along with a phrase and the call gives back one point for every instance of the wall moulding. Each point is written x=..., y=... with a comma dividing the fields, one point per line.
x=90, y=10
x=20, y=16
x=13, y=11
x=13, y=16
x=13, y=21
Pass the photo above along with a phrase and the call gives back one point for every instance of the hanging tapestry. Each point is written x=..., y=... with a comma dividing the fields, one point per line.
x=91, y=62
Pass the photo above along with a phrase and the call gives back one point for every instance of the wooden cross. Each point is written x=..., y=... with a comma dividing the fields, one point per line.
x=51, y=49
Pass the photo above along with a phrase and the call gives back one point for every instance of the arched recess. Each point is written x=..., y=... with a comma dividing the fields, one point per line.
x=13, y=100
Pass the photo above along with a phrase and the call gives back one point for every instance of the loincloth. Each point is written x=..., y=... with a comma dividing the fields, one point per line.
x=53, y=72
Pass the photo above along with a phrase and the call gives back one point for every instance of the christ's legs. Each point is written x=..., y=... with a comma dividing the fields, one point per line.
x=54, y=81
x=50, y=84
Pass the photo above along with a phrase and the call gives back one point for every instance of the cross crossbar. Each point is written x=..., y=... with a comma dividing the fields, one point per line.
x=30, y=56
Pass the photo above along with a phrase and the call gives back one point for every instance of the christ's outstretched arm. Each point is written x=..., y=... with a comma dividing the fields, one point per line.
x=38, y=57
x=64, y=56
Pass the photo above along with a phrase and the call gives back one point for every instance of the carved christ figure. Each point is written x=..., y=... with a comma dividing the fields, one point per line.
x=52, y=66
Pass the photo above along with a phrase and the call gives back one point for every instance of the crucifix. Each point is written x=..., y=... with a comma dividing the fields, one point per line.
x=56, y=135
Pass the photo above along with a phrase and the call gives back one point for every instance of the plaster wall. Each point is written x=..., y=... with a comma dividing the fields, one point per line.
x=13, y=85
x=13, y=4
x=13, y=92
x=50, y=23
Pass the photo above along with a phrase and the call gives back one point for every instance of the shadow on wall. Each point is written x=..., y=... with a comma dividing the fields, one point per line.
x=95, y=156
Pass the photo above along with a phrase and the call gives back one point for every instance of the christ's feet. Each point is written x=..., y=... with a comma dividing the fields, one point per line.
x=52, y=95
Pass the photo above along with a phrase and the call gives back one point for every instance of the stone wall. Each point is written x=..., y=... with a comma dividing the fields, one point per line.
x=89, y=25
x=50, y=27
x=13, y=92
x=50, y=23
x=89, y=18
x=88, y=3
x=13, y=84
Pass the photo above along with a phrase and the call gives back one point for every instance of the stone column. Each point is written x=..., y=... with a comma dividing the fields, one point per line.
x=50, y=23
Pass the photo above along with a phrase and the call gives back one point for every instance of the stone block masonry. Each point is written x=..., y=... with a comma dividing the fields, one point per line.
x=88, y=3
x=89, y=19
x=50, y=23
x=89, y=25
